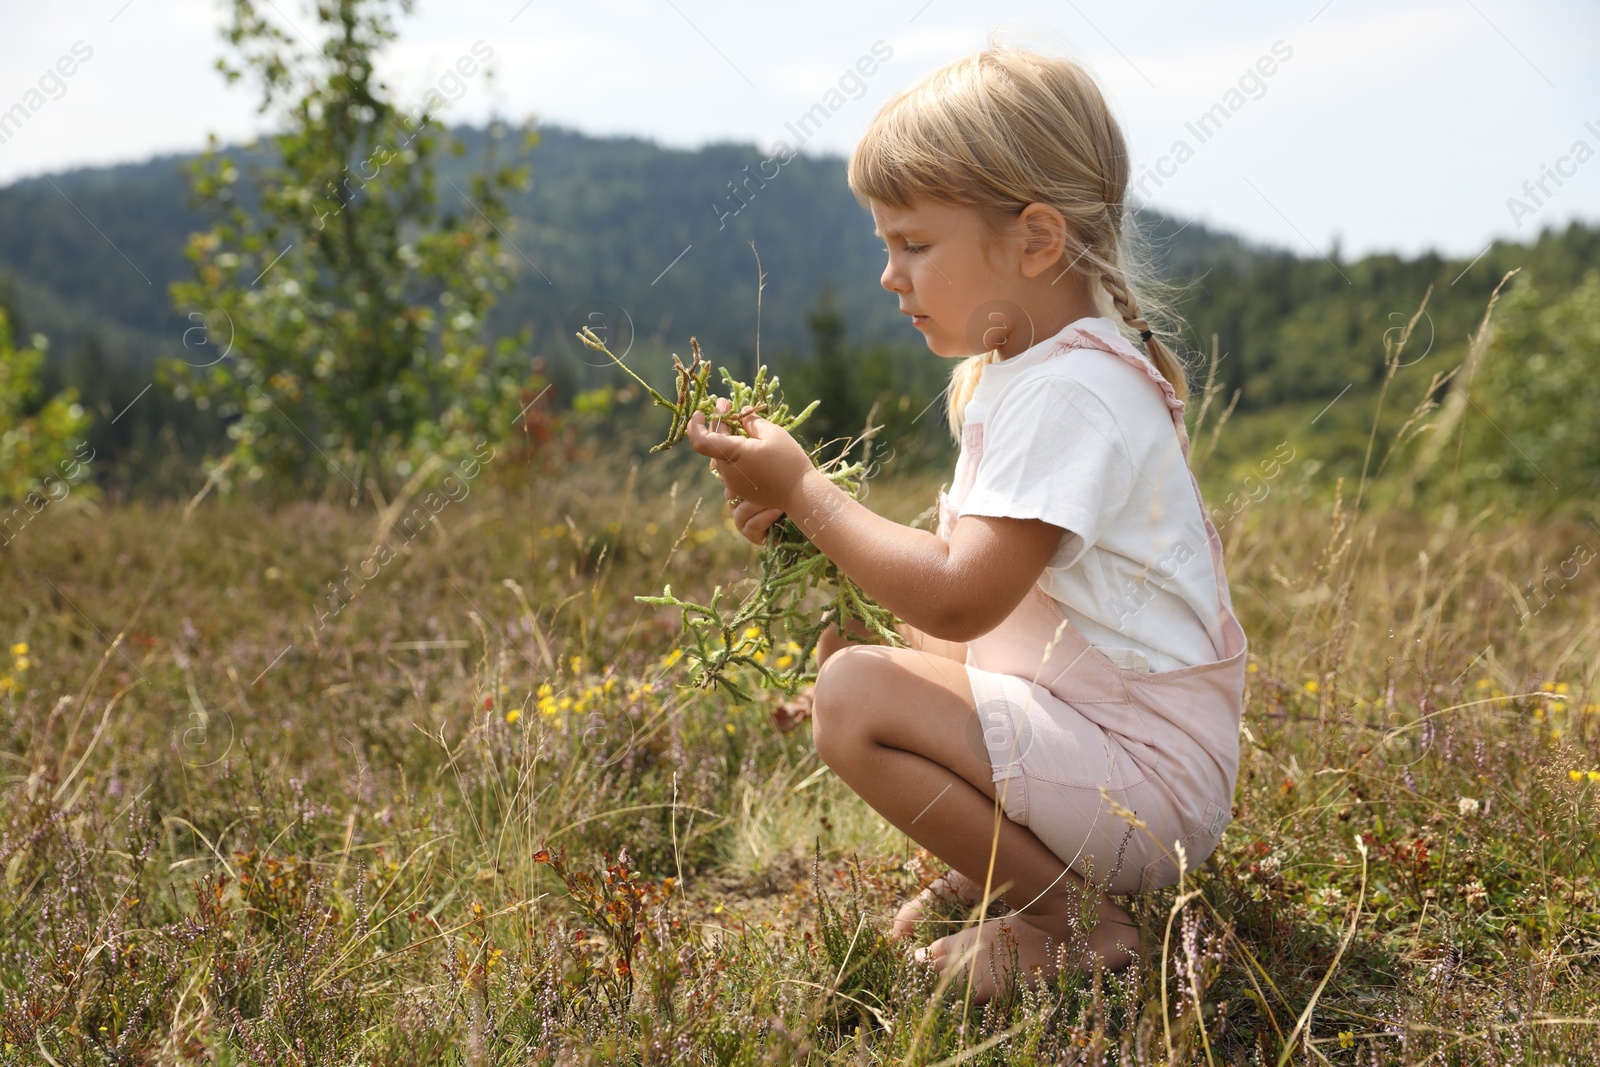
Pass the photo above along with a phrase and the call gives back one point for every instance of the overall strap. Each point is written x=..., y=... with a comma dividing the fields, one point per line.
x=1077, y=337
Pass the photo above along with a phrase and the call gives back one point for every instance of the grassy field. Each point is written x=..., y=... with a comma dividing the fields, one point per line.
x=458, y=812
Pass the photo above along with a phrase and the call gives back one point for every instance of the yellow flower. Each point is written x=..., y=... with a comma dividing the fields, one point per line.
x=752, y=632
x=728, y=726
x=513, y=715
x=1593, y=776
x=576, y=663
x=1561, y=687
x=22, y=663
x=20, y=648
x=1312, y=686
x=785, y=661
x=1482, y=683
x=1253, y=668
x=672, y=657
x=1347, y=1039
x=545, y=692
x=1576, y=776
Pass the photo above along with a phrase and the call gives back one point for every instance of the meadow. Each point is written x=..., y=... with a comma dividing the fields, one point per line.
x=270, y=801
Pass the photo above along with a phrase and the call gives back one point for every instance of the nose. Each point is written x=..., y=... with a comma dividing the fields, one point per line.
x=892, y=278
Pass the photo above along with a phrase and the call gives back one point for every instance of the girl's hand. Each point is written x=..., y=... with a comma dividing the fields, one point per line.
x=752, y=520
x=759, y=471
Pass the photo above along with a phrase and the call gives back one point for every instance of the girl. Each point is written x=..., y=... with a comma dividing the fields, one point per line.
x=1068, y=708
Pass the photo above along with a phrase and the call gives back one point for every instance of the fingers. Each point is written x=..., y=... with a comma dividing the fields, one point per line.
x=754, y=425
x=715, y=442
x=752, y=520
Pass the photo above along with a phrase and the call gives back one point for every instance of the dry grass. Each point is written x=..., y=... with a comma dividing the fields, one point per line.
x=233, y=834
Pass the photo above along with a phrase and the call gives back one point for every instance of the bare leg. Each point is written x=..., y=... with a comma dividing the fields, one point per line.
x=952, y=886
x=900, y=727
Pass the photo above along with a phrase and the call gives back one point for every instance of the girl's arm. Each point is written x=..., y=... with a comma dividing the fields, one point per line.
x=953, y=591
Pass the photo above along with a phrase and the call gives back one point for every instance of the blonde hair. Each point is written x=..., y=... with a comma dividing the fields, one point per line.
x=1003, y=128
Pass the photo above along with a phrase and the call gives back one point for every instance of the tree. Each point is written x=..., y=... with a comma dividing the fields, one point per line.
x=339, y=308
x=41, y=445
x=1534, y=429
x=831, y=376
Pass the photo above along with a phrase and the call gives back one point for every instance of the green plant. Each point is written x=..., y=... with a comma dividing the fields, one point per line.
x=341, y=298
x=36, y=443
x=720, y=637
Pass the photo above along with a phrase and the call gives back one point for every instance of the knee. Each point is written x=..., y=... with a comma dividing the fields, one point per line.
x=842, y=701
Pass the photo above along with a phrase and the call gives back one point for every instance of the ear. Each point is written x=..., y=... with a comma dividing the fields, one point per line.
x=1045, y=237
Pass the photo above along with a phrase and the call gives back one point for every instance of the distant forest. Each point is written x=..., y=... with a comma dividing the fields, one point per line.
x=657, y=244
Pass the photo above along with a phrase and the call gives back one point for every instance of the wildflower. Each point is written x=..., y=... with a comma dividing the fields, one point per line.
x=785, y=661
x=1347, y=1039
x=728, y=726
x=1311, y=685
x=20, y=648
x=513, y=715
x=752, y=633
x=672, y=657
x=1467, y=806
x=546, y=702
x=1253, y=668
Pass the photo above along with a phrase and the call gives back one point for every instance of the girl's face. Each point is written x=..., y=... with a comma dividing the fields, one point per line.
x=950, y=275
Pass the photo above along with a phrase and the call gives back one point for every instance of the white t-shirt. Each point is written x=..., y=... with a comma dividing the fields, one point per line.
x=1084, y=441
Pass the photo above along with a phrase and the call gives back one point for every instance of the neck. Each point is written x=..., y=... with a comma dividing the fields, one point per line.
x=1048, y=309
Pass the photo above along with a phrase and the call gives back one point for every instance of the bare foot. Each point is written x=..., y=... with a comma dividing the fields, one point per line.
x=952, y=887
x=981, y=955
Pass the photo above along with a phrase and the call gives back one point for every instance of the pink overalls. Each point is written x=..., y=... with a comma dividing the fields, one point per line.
x=1067, y=730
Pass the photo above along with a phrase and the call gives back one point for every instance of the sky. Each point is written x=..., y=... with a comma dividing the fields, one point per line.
x=1374, y=126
